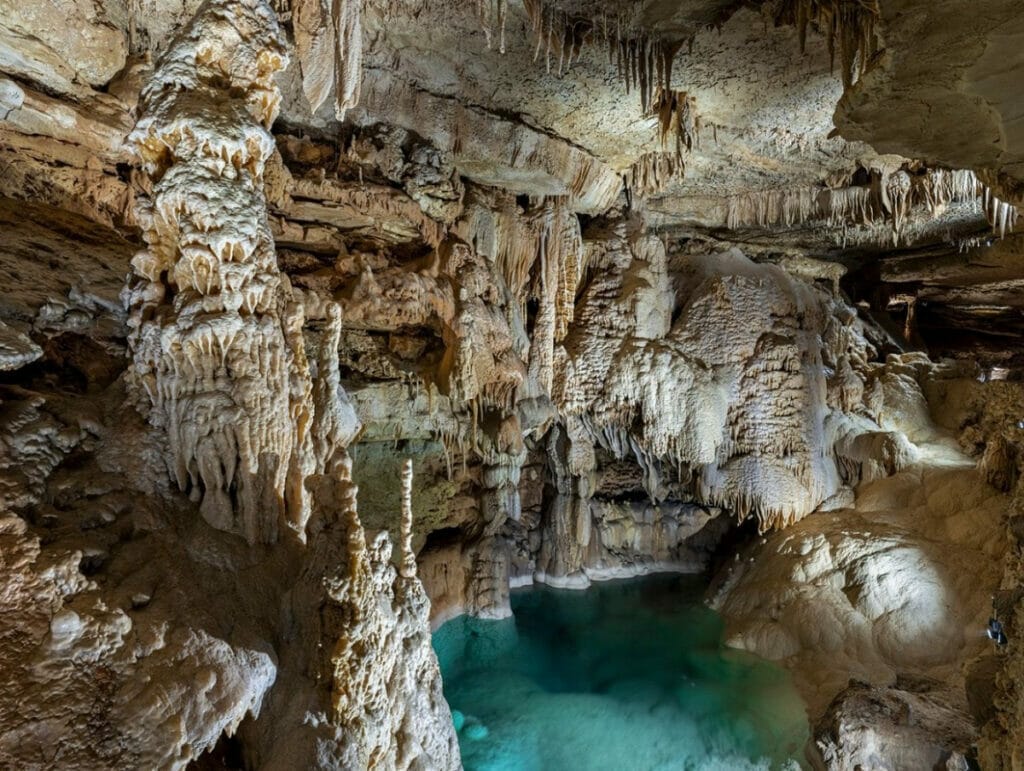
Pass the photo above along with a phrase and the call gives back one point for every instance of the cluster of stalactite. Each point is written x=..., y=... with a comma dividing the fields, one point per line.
x=218, y=356
x=887, y=197
x=654, y=172
x=547, y=235
x=849, y=26
x=558, y=35
x=329, y=43
x=493, y=15
x=677, y=116
x=642, y=59
x=643, y=64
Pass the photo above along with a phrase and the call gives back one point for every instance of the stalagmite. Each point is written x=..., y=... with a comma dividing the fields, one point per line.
x=607, y=345
x=407, y=566
x=377, y=677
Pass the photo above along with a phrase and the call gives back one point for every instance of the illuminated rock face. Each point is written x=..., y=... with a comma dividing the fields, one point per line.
x=751, y=389
x=613, y=335
x=216, y=341
x=880, y=598
x=219, y=367
x=732, y=393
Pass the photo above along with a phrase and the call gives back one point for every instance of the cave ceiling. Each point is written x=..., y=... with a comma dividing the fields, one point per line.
x=551, y=99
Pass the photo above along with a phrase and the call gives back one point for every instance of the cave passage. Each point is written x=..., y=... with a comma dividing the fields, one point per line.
x=629, y=674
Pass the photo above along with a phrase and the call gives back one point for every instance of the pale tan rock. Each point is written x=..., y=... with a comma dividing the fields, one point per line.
x=732, y=386
x=219, y=360
x=35, y=44
x=900, y=584
x=377, y=698
x=491, y=150
x=166, y=693
x=966, y=58
x=589, y=386
x=16, y=350
x=916, y=724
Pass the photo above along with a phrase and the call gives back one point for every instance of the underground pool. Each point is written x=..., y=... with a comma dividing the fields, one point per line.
x=626, y=676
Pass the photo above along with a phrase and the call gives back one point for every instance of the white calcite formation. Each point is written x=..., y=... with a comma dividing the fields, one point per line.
x=889, y=197
x=743, y=381
x=375, y=698
x=620, y=316
x=16, y=350
x=329, y=43
x=216, y=334
x=387, y=686
x=255, y=430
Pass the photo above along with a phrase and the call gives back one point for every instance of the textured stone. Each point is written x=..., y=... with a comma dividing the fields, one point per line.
x=609, y=310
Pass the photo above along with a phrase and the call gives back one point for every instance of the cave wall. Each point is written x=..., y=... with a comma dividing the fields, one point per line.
x=282, y=288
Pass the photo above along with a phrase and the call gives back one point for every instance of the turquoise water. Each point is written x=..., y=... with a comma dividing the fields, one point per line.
x=625, y=676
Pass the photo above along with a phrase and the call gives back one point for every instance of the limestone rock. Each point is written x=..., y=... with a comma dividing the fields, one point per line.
x=34, y=44
x=208, y=287
x=162, y=694
x=16, y=350
x=612, y=295
x=876, y=596
x=734, y=363
x=894, y=728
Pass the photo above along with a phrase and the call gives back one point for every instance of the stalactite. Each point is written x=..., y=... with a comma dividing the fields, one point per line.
x=347, y=18
x=560, y=257
x=676, y=112
x=642, y=59
x=516, y=239
x=654, y=172
x=218, y=358
x=848, y=25
x=329, y=43
x=888, y=198
x=493, y=14
x=773, y=208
